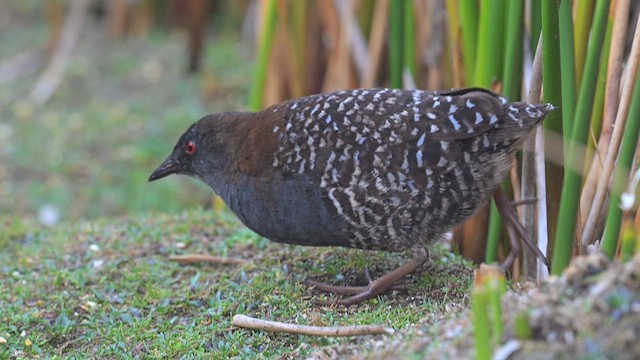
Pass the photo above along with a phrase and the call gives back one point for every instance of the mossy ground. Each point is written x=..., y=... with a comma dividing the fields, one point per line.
x=106, y=289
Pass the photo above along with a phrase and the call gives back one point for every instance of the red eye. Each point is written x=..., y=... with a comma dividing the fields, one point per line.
x=190, y=148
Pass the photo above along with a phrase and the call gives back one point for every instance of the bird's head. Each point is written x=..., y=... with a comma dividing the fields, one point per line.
x=201, y=151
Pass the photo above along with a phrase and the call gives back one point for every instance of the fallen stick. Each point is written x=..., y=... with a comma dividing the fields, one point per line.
x=199, y=258
x=248, y=322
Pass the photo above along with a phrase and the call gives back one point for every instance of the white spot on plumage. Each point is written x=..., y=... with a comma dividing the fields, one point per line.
x=470, y=104
x=453, y=109
x=275, y=129
x=421, y=140
x=431, y=115
x=454, y=122
x=419, y=158
x=479, y=118
x=328, y=119
x=414, y=131
x=467, y=156
x=442, y=162
x=301, y=169
x=335, y=201
x=436, y=104
x=493, y=119
x=434, y=128
x=444, y=145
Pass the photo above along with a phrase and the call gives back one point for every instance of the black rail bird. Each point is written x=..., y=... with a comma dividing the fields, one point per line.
x=378, y=169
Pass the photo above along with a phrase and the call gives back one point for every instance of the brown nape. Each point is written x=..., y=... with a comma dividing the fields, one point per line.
x=255, y=147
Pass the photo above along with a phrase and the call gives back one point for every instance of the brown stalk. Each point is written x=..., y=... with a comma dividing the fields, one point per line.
x=356, y=41
x=376, y=43
x=592, y=221
x=338, y=62
x=247, y=322
x=276, y=85
x=455, y=43
x=612, y=92
x=530, y=170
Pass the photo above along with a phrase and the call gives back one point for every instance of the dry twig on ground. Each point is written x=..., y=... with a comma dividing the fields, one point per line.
x=247, y=322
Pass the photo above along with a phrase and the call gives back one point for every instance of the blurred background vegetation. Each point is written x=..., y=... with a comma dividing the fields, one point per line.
x=123, y=100
x=93, y=95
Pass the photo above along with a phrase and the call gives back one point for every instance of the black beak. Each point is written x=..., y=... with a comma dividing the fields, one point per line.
x=168, y=167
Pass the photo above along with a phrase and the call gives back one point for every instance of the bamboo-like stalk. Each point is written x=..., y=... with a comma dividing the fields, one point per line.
x=567, y=66
x=596, y=122
x=298, y=24
x=488, y=69
x=469, y=26
x=489, y=286
x=521, y=326
x=532, y=175
x=584, y=16
x=542, y=271
x=598, y=104
x=490, y=47
x=265, y=42
x=512, y=73
x=621, y=175
x=552, y=94
x=337, y=22
x=396, y=43
x=481, y=326
x=614, y=73
x=628, y=239
x=409, y=46
x=563, y=244
x=512, y=81
x=455, y=40
x=535, y=19
x=376, y=42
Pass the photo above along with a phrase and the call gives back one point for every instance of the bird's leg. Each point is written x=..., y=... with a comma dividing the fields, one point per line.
x=336, y=289
x=348, y=290
x=514, y=227
x=379, y=285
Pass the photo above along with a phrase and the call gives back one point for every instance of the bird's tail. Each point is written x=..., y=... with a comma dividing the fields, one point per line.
x=526, y=115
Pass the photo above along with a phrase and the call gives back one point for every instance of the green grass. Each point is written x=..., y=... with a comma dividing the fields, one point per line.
x=106, y=289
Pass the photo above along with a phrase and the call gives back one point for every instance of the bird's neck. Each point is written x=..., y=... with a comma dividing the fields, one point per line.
x=248, y=144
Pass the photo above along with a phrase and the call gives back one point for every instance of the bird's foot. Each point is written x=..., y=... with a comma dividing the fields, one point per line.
x=376, y=287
